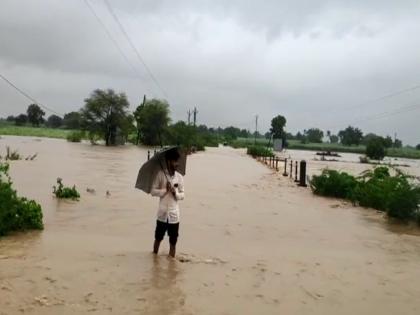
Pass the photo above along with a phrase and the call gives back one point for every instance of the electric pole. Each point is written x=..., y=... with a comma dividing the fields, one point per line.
x=189, y=117
x=195, y=112
x=256, y=129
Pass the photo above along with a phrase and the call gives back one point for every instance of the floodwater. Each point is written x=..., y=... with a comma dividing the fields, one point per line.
x=251, y=242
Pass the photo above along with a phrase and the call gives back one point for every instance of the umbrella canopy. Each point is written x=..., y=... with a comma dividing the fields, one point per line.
x=151, y=168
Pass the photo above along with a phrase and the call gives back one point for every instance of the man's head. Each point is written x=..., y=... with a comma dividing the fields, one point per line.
x=172, y=158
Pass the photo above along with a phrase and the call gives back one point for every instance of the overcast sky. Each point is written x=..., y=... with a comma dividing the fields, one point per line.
x=319, y=63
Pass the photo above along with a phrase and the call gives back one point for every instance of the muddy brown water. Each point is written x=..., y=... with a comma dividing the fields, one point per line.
x=251, y=242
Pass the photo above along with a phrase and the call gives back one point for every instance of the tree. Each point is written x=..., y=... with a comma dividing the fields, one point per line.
x=10, y=118
x=21, y=119
x=375, y=149
x=350, y=136
x=329, y=135
x=300, y=136
x=314, y=135
x=152, y=118
x=105, y=115
x=35, y=115
x=418, y=146
x=334, y=139
x=387, y=142
x=397, y=143
x=72, y=120
x=277, y=127
x=54, y=121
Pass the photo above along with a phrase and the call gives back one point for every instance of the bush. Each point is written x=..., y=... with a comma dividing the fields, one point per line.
x=16, y=213
x=12, y=155
x=375, y=149
x=63, y=192
x=332, y=183
x=377, y=189
x=75, y=136
x=258, y=150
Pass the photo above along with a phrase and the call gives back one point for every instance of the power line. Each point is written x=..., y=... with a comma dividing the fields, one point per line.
x=127, y=37
x=400, y=110
x=380, y=98
x=28, y=96
x=108, y=33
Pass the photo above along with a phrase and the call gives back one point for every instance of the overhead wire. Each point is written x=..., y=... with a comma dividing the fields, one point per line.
x=113, y=40
x=136, y=51
x=26, y=95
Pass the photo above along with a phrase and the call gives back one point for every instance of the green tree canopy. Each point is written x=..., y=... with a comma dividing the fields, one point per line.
x=105, y=115
x=35, y=114
x=314, y=135
x=21, y=119
x=334, y=139
x=152, y=118
x=277, y=126
x=54, y=121
x=72, y=120
x=375, y=149
x=350, y=135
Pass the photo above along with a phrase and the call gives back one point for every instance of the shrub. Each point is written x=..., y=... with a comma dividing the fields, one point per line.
x=12, y=155
x=75, y=136
x=16, y=213
x=257, y=150
x=63, y=192
x=375, y=149
x=377, y=189
x=332, y=183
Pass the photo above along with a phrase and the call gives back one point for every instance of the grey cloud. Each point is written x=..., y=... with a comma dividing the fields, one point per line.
x=233, y=59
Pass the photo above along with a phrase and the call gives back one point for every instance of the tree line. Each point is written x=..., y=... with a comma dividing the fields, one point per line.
x=105, y=115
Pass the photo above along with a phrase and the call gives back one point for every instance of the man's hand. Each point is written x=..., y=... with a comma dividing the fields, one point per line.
x=171, y=189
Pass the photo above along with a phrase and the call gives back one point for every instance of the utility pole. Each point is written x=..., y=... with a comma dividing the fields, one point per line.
x=189, y=117
x=195, y=112
x=256, y=129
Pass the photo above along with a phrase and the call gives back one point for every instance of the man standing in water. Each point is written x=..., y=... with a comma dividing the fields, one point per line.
x=169, y=187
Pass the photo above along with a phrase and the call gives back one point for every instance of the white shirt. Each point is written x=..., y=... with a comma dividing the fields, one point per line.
x=168, y=204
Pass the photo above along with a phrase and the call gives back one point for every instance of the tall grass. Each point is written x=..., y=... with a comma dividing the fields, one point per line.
x=12, y=130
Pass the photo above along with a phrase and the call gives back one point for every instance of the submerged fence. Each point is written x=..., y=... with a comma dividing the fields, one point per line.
x=297, y=170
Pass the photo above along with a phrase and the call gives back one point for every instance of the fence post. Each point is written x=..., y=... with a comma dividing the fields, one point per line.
x=285, y=168
x=148, y=155
x=296, y=172
x=277, y=164
x=302, y=181
x=291, y=169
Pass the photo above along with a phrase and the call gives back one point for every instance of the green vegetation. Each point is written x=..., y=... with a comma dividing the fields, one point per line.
x=258, y=151
x=16, y=213
x=277, y=127
x=75, y=136
x=9, y=129
x=152, y=118
x=105, y=116
x=375, y=149
x=35, y=115
x=63, y=192
x=395, y=194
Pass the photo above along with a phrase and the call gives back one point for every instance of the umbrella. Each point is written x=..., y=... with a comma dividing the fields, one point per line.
x=151, y=168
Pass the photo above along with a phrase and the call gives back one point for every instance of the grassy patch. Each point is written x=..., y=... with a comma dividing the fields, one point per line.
x=12, y=130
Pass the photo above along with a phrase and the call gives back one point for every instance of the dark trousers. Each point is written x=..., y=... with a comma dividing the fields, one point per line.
x=171, y=228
